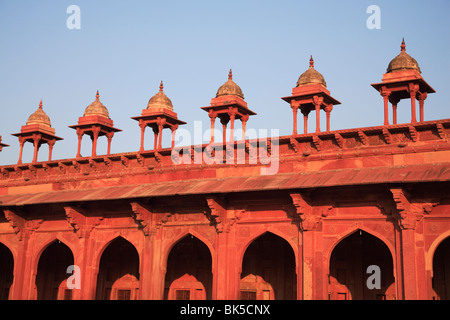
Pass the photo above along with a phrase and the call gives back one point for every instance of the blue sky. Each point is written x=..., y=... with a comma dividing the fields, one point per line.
x=125, y=48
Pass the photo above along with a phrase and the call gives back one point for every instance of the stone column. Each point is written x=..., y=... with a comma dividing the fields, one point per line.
x=385, y=93
x=412, y=89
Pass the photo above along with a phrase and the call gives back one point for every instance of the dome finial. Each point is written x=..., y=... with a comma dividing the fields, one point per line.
x=311, y=62
x=97, y=96
x=40, y=104
x=161, y=86
x=403, y=46
x=230, y=75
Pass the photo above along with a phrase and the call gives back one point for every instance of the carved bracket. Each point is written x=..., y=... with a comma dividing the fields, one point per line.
x=441, y=130
x=408, y=213
x=294, y=144
x=363, y=137
x=218, y=215
x=317, y=142
x=23, y=228
x=413, y=133
x=339, y=140
x=81, y=224
x=302, y=212
x=143, y=216
x=387, y=136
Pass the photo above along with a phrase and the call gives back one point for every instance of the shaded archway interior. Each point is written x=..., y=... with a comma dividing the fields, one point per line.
x=6, y=271
x=188, y=275
x=118, y=277
x=349, y=264
x=268, y=270
x=52, y=273
x=441, y=271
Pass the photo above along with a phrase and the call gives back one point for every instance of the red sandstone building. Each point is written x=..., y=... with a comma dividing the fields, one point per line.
x=139, y=226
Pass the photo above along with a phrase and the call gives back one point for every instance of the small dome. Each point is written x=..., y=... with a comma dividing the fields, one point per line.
x=403, y=61
x=230, y=88
x=311, y=76
x=39, y=117
x=96, y=108
x=160, y=100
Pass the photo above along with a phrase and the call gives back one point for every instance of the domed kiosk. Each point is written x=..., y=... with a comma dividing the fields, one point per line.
x=158, y=115
x=311, y=93
x=95, y=122
x=228, y=105
x=403, y=80
x=38, y=130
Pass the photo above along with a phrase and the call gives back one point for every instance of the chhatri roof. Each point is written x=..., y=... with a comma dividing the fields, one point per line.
x=311, y=76
x=96, y=108
x=160, y=100
x=39, y=117
x=403, y=61
x=230, y=88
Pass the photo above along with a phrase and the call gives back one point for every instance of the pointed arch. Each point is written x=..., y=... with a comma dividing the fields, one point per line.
x=268, y=268
x=351, y=231
x=98, y=251
x=188, y=269
x=430, y=253
x=348, y=263
x=440, y=267
x=168, y=248
x=255, y=236
x=6, y=271
x=52, y=262
x=119, y=271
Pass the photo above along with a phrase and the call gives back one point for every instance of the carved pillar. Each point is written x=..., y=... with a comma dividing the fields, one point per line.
x=412, y=89
x=302, y=213
x=95, y=132
x=173, y=129
x=328, y=110
x=212, y=116
x=109, y=136
x=224, y=122
x=244, y=120
x=412, y=252
x=294, y=113
x=317, y=103
x=21, y=142
x=155, y=134
x=23, y=272
x=80, y=137
x=232, y=114
x=36, y=142
x=143, y=216
x=385, y=93
x=394, y=103
x=305, y=113
x=51, y=144
x=161, y=123
x=421, y=96
x=225, y=275
x=142, y=125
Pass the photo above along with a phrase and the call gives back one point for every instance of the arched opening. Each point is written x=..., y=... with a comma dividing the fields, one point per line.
x=268, y=270
x=51, y=277
x=118, y=276
x=188, y=275
x=6, y=271
x=441, y=271
x=350, y=276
